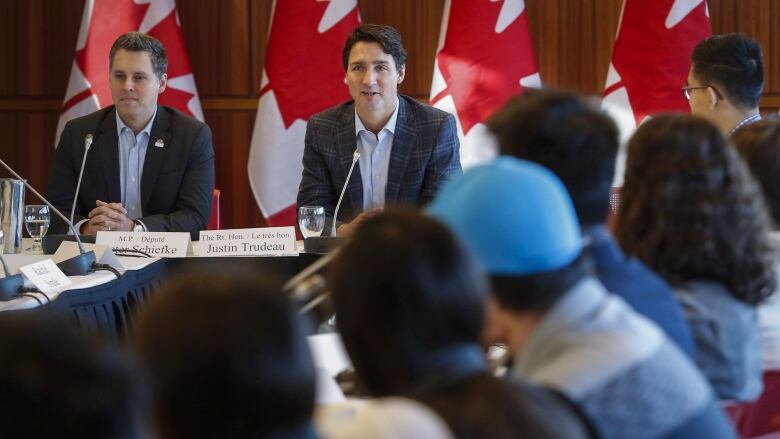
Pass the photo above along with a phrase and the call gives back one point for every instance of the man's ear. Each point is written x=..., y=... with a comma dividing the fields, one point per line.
x=714, y=98
x=163, y=82
x=401, y=74
x=494, y=330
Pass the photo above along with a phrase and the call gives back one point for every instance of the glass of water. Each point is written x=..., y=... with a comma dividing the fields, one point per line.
x=36, y=219
x=311, y=220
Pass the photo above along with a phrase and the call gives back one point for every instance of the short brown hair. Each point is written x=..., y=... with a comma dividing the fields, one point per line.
x=139, y=42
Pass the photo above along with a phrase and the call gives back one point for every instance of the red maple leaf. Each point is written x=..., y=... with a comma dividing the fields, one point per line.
x=653, y=61
x=109, y=20
x=304, y=66
x=169, y=32
x=483, y=68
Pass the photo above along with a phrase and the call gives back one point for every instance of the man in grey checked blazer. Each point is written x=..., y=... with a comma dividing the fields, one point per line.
x=408, y=149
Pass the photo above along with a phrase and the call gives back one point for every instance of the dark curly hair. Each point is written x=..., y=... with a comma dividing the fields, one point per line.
x=691, y=210
x=759, y=146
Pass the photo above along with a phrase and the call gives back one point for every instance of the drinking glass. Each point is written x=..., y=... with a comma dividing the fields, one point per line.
x=311, y=220
x=36, y=219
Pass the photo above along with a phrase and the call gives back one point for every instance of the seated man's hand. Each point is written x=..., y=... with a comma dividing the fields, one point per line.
x=347, y=229
x=107, y=217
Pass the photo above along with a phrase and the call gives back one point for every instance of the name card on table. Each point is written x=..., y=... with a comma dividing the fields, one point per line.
x=155, y=244
x=267, y=241
x=45, y=275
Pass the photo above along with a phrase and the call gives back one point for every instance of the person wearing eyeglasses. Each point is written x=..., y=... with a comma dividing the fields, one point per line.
x=726, y=80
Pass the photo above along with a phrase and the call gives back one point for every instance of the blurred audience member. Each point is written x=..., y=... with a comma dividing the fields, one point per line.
x=410, y=307
x=759, y=145
x=381, y=418
x=228, y=359
x=726, y=80
x=563, y=327
x=59, y=383
x=691, y=211
x=578, y=142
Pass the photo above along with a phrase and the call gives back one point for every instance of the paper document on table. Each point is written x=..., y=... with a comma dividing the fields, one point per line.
x=328, y=353
x=45, y=275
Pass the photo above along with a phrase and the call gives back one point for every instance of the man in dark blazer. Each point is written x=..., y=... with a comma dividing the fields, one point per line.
x=407, y=149
x=149, y=168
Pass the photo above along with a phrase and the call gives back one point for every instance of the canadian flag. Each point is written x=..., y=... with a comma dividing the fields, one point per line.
x=102, y=22
x=302, y=76
x=651, y=60
x=485, y=56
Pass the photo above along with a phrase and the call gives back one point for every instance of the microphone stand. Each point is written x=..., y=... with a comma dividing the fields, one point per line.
x=324, y=244
x=87, y=144
x=79, y=265
x=308, y=287
x=355, y=157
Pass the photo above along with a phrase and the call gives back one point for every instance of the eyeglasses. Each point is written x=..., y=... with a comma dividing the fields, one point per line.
x=687, y=91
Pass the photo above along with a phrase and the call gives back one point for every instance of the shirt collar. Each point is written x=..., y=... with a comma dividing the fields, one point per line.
x=389, y=126
x=120, y=125
x=746, y=121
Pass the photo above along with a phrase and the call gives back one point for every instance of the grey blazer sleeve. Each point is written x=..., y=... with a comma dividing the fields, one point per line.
x=445, y=160
x=316, y=188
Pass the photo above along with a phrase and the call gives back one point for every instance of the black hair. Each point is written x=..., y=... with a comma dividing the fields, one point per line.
x=538, y=292
x=567, y=134
x=140, y=42
x=228, y=358
x=404, y=287
x=759, y=146
x=58, y=382
x=487, y=407
x=733, y=63
x=385, y=36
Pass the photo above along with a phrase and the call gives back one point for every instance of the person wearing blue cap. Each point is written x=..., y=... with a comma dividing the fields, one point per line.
x=409, y=302
x=578, y=142
x=564, y=329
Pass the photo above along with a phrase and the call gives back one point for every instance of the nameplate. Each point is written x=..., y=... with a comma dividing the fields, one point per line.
x=45, y=275
x=155, y=244
x=268, y=241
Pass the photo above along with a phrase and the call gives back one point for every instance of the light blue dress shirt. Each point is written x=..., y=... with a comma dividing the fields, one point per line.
x=374, y=159
x=132, y=153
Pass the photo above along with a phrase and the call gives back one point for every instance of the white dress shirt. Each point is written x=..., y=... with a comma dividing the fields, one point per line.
x=374, y=159
x=132, y=154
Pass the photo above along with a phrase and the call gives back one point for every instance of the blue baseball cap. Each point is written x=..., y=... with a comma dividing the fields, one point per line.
x=514, y=215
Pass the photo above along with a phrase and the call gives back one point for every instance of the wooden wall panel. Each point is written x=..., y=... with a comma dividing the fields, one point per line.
x=574, y=56
x=218, y=40
x=418, y=22
x=226, y=42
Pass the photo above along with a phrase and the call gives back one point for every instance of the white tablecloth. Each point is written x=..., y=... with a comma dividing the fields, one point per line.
x=93, y=279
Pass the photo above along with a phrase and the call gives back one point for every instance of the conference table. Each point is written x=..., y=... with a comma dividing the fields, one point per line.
x=100, y=302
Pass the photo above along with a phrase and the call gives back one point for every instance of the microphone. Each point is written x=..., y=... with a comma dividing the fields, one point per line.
x=77, y=265
x=87, y=144
x=308, y=287
x=355, y=157
x=10, y=284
